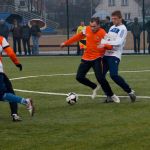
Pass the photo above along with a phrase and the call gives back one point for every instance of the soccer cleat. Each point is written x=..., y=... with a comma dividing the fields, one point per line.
x=95, y=92
x=30, y=106
x=16, y=118
x=115, y=98
x=132, y=96
x=108, y=100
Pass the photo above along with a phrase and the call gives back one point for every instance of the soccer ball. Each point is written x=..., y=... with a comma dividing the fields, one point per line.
x=72, y=98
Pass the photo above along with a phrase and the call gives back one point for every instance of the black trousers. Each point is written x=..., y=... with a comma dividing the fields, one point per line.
x=97, y=66
x=136, y=44
x=79, y=50
x=6, y=87
x=17, y=43
x=26, y=46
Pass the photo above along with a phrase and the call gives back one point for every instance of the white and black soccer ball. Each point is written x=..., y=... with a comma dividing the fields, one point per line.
x=72, y=98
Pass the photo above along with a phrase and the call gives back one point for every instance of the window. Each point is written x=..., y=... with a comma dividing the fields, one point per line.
x=124, y=2
x=127, y=16
x=111, y=2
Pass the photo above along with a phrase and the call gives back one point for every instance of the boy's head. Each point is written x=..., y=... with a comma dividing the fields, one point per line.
x=136, y=20
x=107, y=20
x=95, y=24
x=116, y=17
x=82, y=23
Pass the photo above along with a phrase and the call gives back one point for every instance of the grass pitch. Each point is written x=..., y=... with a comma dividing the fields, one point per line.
x=88, y=125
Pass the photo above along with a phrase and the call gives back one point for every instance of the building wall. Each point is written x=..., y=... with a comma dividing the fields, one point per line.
x=133, y=8
x=35, y=6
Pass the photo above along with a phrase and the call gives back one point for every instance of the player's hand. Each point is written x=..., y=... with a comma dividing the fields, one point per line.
x=101, y=46
x=19, y=66
x=62, y=45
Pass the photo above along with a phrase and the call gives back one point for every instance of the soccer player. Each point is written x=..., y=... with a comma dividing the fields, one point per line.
x=7, y=93
x=92, y=58
x=117, y=38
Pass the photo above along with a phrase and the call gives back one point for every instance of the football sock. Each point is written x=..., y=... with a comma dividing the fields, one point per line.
x=9, y=97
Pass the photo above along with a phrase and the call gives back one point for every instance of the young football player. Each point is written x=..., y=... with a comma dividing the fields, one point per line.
x=92, y=58
x=117, y=38
x=7, y=93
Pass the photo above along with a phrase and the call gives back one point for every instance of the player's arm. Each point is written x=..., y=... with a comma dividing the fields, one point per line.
x=119, y=39
x=78, y=30
x=75, y=38
x=106, y=46
x=9, y=51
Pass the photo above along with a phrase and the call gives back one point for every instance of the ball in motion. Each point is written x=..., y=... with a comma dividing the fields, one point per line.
x=72, y=98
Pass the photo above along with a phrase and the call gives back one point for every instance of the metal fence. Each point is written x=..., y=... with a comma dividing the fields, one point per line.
x=67, y=15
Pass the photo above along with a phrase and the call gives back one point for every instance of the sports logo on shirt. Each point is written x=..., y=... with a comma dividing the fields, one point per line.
x=115, y=30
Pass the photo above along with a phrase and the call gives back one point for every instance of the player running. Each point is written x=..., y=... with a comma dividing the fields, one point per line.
x=7, y=93
x=117, y=38
x=92, y=58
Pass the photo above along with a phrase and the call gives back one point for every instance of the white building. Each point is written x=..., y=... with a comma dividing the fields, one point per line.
x=21, y=4
x=129, y=8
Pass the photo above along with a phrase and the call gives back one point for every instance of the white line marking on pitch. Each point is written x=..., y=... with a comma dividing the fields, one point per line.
x=63, y=94
x=72, y=74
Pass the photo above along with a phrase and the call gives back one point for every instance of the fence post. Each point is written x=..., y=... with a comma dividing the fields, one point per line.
x=67, y=12
x=144, y=25
x=91, y=8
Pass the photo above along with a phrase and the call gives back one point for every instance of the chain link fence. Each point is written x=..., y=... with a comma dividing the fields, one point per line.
x=66, y=16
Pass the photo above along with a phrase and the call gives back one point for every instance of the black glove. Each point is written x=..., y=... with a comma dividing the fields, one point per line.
x=19, y=66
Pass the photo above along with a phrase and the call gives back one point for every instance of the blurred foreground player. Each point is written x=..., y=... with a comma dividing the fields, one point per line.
x=117, y=38
x=7, y=93
x=92, y=58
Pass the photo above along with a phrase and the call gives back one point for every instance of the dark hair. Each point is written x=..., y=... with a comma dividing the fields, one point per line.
x=117, y=13
x=95, y=19
x=108, y=18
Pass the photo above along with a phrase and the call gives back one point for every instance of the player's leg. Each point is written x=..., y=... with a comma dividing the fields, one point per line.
x=11, y=98
x=105, y=68
x=13, y=106
x=3, y=88
x=105, y=71
x=98, y=69
x=113, y=68
x=84, y=67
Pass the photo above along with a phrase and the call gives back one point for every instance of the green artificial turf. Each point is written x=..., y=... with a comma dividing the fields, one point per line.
x=88, y=125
